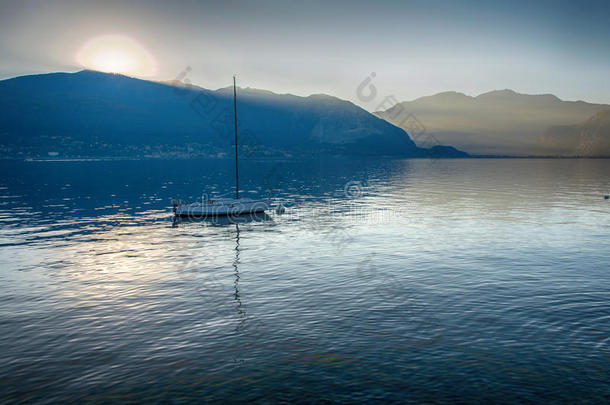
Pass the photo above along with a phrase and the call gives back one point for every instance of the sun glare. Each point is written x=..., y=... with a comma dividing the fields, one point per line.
x=116, y=54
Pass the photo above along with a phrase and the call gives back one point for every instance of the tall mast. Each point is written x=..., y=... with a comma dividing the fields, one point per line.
x=236, y=166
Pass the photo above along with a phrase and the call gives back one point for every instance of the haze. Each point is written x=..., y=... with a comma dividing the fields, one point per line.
x=415, y=48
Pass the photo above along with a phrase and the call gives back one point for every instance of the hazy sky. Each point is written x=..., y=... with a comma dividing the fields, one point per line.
x=415, y=48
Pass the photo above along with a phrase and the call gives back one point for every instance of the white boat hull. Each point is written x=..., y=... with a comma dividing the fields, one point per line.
x=223, y=207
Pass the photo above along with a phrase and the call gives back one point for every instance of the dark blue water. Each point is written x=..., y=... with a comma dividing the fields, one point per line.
x=389, y=280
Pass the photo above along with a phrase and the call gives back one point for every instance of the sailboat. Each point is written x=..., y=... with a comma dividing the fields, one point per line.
x=212, y=207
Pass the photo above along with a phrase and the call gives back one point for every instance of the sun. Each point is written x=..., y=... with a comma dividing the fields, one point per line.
x=116, y=54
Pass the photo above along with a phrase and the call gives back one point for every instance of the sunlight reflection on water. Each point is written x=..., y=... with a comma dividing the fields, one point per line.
x=431, y=280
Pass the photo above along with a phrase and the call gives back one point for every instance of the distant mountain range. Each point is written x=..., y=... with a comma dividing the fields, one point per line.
x=94, y=114
x=504, y=122
x=589, y=138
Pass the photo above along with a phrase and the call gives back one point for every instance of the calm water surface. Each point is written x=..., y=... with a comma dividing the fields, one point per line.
x=402, y=281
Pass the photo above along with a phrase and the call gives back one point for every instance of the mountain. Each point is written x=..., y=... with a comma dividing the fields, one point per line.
x=500, y=122
x=589, y=138
x=99, y=114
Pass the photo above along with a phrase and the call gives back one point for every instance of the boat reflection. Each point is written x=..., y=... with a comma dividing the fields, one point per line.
x=243, y=324
x=223, y=220
x=241, y=311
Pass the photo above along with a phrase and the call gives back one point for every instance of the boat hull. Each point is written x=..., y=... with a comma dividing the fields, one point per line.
x=198, y=210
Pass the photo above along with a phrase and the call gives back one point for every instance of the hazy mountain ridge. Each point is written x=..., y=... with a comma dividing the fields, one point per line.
x=499, y=122
x=589, y=138
x=98, y=114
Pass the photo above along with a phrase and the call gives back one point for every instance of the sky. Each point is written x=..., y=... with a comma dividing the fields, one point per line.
x=406, y=49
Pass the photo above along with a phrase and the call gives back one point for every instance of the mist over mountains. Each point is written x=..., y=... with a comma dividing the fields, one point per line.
x=91, y=113
x=589, y=138
x=502, y=122
x=94, y=114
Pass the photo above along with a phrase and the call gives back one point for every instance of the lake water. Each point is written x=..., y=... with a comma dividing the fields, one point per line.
x=395, y=280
